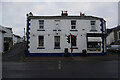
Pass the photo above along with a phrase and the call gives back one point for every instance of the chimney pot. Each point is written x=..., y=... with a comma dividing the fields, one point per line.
x=64, y=13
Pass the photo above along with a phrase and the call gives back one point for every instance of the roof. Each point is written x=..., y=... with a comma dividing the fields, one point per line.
x=113, y=29
x=116, y=28
x=17, y=36
x=109, y=31
x=65, y=17
x=2, y=31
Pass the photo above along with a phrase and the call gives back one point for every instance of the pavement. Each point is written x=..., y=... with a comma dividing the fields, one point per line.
x=15, y=54
x=108, y=57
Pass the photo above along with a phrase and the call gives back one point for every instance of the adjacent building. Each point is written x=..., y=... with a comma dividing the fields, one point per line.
x=16, y=39
x=8, y=38
x=50, y=35
x=113, y=37
x=1, y=39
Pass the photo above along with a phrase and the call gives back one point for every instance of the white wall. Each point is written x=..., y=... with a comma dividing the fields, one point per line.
x=65, y=26
x=16, y=40
x=8, y=32
x=119, y=13
x=1, y=42
x=110, y=38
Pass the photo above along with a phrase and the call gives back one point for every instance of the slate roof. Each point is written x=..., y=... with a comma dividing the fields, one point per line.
x=65, y=17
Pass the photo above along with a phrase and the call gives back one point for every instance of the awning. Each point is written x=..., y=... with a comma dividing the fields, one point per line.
x=94, y=39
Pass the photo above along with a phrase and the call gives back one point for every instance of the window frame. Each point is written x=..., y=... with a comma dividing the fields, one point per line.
x=40, y=46
x=73, y=24
x=41, y=24
x=74, y=46
x=57, y=24
x=88, y=49
x=56, y=41
x=93, y=25
x=119, y=35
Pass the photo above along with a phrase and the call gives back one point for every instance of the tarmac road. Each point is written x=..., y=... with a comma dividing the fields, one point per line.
x=80, y=67
x=61, y=69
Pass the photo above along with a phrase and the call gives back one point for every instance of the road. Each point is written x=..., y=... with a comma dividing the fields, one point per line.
x=13, y=67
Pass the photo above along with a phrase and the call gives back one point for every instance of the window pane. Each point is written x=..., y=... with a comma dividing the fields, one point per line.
x=73, y=27
x=73, y=39
x=41, y=41
x=57, y=41
x=41, y=24
x=94, y=46
x=93, y=27
x=73, y=24
x=92, y=22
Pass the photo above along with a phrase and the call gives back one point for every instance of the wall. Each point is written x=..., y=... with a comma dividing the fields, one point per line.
x=1, y=42
x=65, y=27
x=110, y=38
x=8, y=32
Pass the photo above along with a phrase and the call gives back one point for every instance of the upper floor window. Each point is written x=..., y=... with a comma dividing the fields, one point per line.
x=41, y=41
x=41, y=24
x=73, y=24
x=93, y=27
x=57, y=24
x=57, y=41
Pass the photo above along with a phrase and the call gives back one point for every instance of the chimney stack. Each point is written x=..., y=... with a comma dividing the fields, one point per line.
x=82, y=14
x=64, y=13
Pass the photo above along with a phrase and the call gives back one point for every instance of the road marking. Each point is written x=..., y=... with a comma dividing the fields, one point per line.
x=60, y=62
x=59, y=65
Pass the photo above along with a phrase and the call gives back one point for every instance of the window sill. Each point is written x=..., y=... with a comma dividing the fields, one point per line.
x=40, y=30
x=57, y=48
x=93, y=30
x=56, y=30
x=59, y=30
x=40, y=48
x=74, y=48
x=73, y=30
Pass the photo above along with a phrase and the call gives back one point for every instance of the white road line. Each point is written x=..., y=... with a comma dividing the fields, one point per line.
x=59, y=65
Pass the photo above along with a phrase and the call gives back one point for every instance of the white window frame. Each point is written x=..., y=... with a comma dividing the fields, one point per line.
x=41, y=24
x=57, y=22
x=43, y=42
x=93, y=25
x=56, y=41
x=73, y=25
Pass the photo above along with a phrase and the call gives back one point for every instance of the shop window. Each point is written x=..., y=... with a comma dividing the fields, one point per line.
x=94, y=46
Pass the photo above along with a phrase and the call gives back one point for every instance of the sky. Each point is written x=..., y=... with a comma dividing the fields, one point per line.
x=14, y=13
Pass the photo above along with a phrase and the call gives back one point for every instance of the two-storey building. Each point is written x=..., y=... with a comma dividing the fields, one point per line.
x=47, y=35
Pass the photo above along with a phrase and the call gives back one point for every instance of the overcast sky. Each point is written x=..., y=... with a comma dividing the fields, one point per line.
x=14, y=13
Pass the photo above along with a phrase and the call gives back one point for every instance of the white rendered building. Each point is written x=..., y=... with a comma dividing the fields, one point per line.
x=16, y=39
x=47, y=35
x=1, y=39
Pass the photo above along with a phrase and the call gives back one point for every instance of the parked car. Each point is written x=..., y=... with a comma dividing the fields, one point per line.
x=113, y=48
